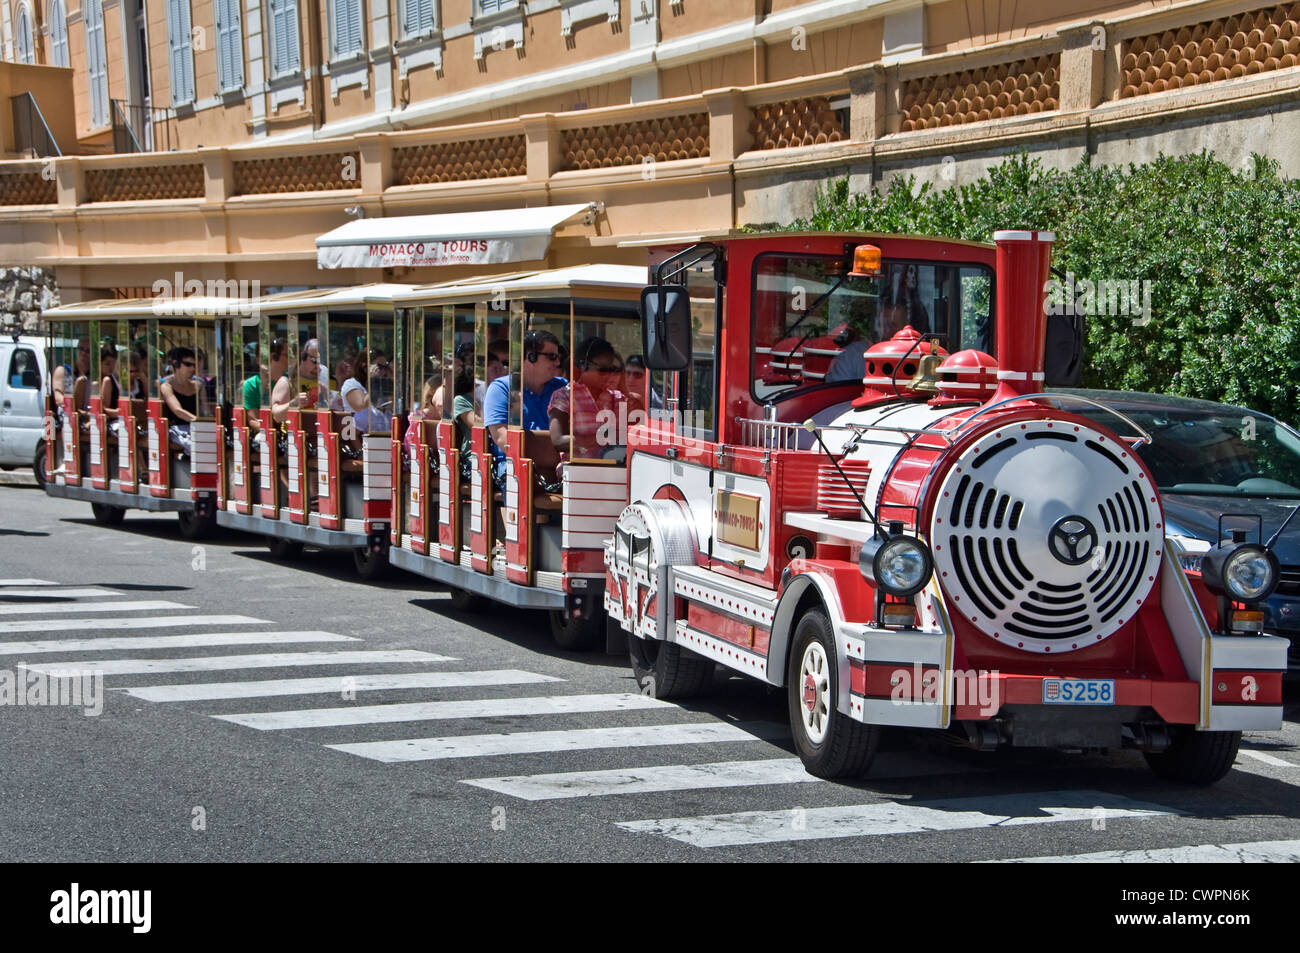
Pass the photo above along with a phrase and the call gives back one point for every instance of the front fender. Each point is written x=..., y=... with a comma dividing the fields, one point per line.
x=819, y=586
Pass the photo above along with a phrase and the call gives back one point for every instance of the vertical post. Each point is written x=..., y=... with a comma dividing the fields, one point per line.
x=1083, y=66
x=728, y=124
x=542, y=146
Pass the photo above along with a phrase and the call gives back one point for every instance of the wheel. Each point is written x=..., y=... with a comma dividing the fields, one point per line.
x=283, y=548
x=464, y=601
x=1197, y=757
x=370, y=565
x=194, y=526
x=666, y=670
x=830, y=744
x=38, y=465
x=106, y=514
x=577, y=634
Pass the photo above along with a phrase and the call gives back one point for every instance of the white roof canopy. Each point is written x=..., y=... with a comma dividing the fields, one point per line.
x=459, y=238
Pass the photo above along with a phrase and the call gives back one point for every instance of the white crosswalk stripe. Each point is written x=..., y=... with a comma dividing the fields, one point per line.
x=1258, y=852
x=138, y=666
x=532, y=742
x=126, y=605
x=1266, y=758
x=27, y=582
x=748, y=828
x=178, y=621
x=134, y=643
x=271, y=688
x=437, y=711
x=692, y=777
x=58, y=593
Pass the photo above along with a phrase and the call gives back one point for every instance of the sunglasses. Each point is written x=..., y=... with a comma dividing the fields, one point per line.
x=550, y=355
x=188, y=364
x=607, y=369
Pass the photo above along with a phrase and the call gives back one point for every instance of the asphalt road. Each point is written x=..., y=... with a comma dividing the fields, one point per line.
x=504, y=748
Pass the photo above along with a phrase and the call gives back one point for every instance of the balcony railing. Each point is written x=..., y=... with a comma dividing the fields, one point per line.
x=142, y=128
x=32, y=135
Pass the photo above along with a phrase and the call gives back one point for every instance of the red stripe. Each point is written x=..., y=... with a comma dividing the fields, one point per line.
x=1230, y=687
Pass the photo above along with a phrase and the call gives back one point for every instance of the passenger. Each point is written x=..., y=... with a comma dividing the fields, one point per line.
x=498, y=364
x=381, y=381
x=180, y=396
x=74, y=379
x=356, y=400
x=634, y=376
x=540, y=382
x=109, y=388
x=139, y=386
x=252, y=387
x=590, y=404
x=428, y=410
x=462, y=411
x=299, y=393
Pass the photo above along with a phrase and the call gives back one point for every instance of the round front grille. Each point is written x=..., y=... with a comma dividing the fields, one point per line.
x=1047, y=536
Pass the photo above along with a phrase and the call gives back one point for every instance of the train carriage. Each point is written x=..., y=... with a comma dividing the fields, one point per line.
x=121, y=439
x=938, y=544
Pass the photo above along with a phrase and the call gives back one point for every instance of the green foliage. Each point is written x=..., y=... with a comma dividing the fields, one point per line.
x=1219, y=245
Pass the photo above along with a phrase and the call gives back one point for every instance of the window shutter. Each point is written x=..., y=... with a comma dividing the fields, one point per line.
x=58, y=34
x=26, y=54
x=96, y=63
x=180, y=52
x=417, y=17
x=230, y=41
x=284, y=21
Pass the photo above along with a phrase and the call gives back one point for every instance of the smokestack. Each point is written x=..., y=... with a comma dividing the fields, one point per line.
x=1023, y=266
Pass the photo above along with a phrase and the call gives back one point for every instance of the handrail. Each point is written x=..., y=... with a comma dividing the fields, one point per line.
x=1143, y=438
x=24, y=109
x=120, y=122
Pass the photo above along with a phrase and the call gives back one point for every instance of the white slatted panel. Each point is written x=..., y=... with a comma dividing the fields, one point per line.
x=203, y=447
x=59, y=34
x=377, y=467
x=284, y=37
x=593, y=499
x=96, y=62
x=180, y=52
x=230, y=45
x=23, y=46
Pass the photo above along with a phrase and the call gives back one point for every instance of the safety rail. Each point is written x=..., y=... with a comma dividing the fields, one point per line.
x=31, y=132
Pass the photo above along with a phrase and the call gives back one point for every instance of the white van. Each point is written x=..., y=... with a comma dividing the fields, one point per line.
x=22, y=404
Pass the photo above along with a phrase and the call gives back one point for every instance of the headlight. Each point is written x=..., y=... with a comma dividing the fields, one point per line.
x=1246, y=572
x=900, y=565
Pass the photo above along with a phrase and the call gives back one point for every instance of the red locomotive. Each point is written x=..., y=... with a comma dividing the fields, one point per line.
x=950, y=548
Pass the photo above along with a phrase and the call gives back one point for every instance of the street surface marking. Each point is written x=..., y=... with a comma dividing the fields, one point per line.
x=27, y=582
x=670, y=777
x=434, y=711
x=1266, y=758
x=140, y=666
x=888, y=817
x=689, y=777
x=62, y=625
x=1259, y=852
x=167, y=642
x=531, y=742
x=58, y=593
x=130, y=605
x=333, y=685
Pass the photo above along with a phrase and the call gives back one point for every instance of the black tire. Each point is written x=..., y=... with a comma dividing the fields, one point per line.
x=38, y=465
x=843, y=748
x=370, y=566
x=465, y=601
x=666, y=670
x=1197, y=757
x=194, y=526
x=283, y=548
x=108, y=515
x=577, y=635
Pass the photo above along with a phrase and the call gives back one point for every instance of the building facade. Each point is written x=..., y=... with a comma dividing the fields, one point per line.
x=221, y=137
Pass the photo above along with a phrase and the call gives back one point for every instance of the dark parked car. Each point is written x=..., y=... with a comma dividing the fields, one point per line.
x=1213, y=459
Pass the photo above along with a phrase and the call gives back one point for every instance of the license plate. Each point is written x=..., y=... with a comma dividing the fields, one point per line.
x=1078, y=691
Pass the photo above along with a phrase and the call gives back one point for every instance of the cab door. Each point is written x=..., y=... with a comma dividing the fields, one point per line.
x=21, y=417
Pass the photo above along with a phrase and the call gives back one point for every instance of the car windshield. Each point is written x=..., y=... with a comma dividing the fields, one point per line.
x=1223, y=452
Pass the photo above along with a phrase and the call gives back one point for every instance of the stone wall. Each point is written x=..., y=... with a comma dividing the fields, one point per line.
x=24, y=294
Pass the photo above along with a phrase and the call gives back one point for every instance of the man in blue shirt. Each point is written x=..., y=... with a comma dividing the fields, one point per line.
x=540, y=380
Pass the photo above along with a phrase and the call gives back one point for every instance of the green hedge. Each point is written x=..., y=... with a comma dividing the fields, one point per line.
x=1220, y=246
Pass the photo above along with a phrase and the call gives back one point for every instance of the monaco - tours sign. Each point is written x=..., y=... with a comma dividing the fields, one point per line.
x=415, y=254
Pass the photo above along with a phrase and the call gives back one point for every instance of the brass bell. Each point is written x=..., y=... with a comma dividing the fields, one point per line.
x=926, y=379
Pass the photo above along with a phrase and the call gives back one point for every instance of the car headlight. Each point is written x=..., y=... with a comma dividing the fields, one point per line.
x=900, y=565
x=1246, y=572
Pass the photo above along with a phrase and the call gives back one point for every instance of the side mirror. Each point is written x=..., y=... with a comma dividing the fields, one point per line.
x=666, y=327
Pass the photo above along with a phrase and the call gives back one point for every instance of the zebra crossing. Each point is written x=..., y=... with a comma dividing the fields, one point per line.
x=80, y=613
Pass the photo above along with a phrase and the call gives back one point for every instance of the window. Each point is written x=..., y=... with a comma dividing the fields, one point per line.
x=26, y=52
x=58, y=34
x=812, y=321
x=284, y=37
x=417, y=18
x=346, y=28
x=24, y=372
x=486, y=7
x=180, y=52
x=96, y=63
x=230, y=46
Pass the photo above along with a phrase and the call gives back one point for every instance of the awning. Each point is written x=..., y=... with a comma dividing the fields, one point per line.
x=460, y=238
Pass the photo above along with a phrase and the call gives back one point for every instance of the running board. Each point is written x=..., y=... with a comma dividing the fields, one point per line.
x=494, y=587
x=130, y=501
x=297, y=532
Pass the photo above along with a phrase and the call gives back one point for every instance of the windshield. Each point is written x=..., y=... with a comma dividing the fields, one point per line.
x=813, y=322
x=1213, y=453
